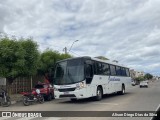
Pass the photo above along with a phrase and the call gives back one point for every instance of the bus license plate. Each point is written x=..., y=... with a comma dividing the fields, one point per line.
x=66, y=93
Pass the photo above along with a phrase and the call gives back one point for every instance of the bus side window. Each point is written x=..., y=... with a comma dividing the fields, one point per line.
x=127, y=72
x=99, y=70
x=113, y=70
x=118, y=70
x=105, y=68
x=123, y=71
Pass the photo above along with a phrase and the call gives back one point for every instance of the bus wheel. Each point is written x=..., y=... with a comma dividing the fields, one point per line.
x=122, y=92
x=73, y=99
x=98, y=94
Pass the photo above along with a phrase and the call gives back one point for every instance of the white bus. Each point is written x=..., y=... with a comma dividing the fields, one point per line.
x=84, y=77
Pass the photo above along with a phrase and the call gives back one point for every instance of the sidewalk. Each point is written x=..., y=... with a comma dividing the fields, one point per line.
x=15, y=98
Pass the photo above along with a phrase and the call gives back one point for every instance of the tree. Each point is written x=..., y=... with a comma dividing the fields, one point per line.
x=47, y=61
x=102, y=58
x=17, y=58
x=65, y=56
x=141, y=78
x=31, y=56
x=148, y=76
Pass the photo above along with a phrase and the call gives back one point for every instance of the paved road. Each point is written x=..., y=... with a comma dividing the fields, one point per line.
x=136, y=99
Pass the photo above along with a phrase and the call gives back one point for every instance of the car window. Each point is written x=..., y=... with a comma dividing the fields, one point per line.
x=38, y=86
x=45, y=86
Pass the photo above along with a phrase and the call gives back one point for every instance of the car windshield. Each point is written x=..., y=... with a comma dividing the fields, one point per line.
x=38, y=86
x=143, y=82
x=69, y=72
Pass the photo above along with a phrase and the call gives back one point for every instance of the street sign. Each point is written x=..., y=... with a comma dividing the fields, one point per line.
x=2, y=81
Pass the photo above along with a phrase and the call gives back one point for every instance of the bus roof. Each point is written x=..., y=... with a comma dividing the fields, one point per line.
x=108, y=61
x=95, y=59
x=87, y=57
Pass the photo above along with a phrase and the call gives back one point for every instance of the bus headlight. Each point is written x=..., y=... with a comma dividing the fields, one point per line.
x=81, y=85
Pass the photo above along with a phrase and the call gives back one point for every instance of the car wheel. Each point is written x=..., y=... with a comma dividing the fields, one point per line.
x=41, y=99
x=52, y=95
x=49, y=97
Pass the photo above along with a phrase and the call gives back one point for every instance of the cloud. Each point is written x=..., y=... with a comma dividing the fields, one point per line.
x=125, y=30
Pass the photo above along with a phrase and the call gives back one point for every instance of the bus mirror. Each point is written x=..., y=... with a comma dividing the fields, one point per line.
x=89, y=72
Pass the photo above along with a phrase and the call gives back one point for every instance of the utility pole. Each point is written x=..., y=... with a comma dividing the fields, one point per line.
x=65, y=50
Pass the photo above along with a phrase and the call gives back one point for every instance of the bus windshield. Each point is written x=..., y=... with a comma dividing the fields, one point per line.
x=69, y=72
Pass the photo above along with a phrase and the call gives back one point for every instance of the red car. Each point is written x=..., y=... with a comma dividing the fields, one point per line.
x=46, y=90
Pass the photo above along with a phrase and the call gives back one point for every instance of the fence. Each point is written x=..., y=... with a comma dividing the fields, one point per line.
x=23, y=84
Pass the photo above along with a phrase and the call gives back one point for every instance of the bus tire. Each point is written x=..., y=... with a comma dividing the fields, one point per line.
x=122, y=92
x=73, y=99
x=99, y=94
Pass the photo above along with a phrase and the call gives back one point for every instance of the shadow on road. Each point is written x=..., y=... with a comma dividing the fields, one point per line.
x=90, y=100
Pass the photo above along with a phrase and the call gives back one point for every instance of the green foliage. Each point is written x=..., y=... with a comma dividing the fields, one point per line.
x=102, y=58
x=31, y=56
x=20, y=57
x=48, y=59
x=17, y=58
x=141, y=78
x=65, y=56
x=148, y=76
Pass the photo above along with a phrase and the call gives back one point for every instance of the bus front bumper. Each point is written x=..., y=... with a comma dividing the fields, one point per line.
x=79, y=94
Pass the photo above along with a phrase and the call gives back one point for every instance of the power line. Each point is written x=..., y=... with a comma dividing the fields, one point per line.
x=75, y=53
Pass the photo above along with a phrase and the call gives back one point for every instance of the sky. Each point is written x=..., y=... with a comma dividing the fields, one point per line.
x=124, y=30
